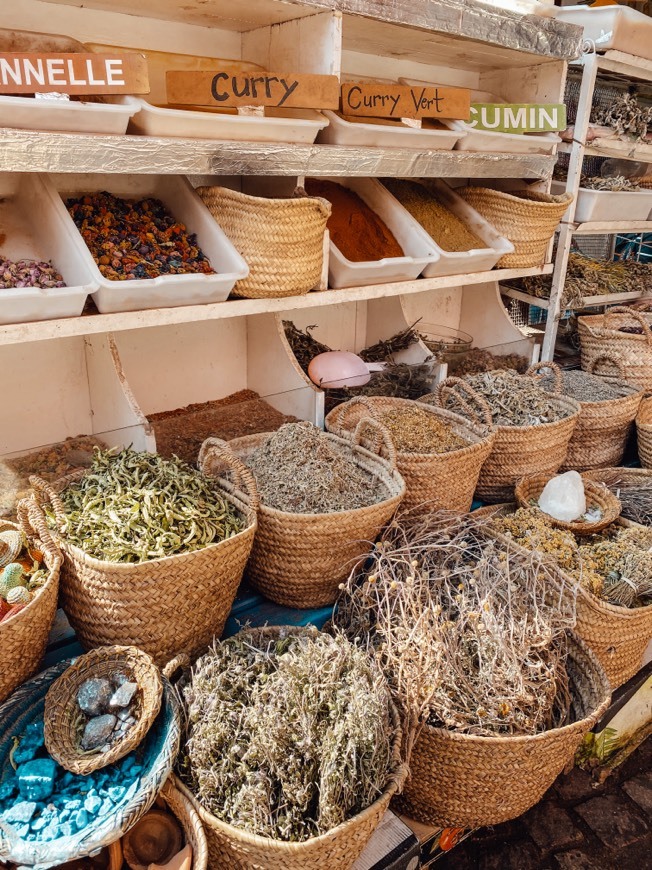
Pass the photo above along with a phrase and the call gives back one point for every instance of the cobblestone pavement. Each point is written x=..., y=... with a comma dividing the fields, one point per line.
x=575, y=827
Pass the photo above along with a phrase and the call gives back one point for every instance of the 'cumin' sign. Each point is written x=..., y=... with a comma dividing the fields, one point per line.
x=518, y=117
x=73, y=73
x=232, y=88
x=378, y=100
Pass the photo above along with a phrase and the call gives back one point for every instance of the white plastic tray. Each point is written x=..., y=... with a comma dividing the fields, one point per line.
x=609, y=205
x=385, y=135
x=65, y=116
x=34, y=230
x=166, y=291
x=461, y=262
x=299, y=126
x=420, y=251
x=617, y=27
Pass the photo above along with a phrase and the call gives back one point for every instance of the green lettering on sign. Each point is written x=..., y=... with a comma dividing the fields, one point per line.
x=518, y=117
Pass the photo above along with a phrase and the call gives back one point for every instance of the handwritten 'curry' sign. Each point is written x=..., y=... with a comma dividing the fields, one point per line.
x=232, y=88
x=378, y=100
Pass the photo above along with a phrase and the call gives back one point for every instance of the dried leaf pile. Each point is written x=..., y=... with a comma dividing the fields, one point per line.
x=133, y=507
x=614, y=183
x=480, y=360
x=301, y=470
x=469, y=630
x=627, y=117
x=586, y=387
x=414, y=430
x=289, y=737
x=635, y=497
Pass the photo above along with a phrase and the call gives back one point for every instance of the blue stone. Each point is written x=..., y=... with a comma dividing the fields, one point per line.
x=68, y=778
x=39, y=824
x=73, y=804
x=22, y=831
x=107, y=807
x=66, y=830
x=80, y=819
x=20, y=813
x=92, y=803
x=8, y=787
x=51, y=832
x=64, y=814
x=116, y=792
x=36, y=779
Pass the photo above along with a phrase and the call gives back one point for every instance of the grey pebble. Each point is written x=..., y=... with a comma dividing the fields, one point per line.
x=122, y=696
x=97, y=731
x=93, y=696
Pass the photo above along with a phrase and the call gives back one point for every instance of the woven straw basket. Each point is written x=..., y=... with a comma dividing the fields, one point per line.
x=526, y=218
x=644, y=431
x=600, y=335
x=186, y=813
x=282, y=240
x=62, y=713
x=24, y=636
x=466, y=781
x=299, y=560
x=597, y=495
x=231, y=848
x=434, y=480
x=517, y=451
x=164, y=606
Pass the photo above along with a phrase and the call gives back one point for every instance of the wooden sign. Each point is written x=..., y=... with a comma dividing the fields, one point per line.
x=377, y=100
x=231, y=87
x=518, y=117
x=73, y=73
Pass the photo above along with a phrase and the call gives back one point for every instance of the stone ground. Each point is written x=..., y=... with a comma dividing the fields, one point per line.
x=575, y=827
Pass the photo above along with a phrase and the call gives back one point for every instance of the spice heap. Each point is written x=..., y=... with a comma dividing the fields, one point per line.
x=450, y=233
x=133, y=507
x=627, y=117
x=22, y=573
x=469, y=632
x=479, y=360
x=28, y=273
x=586, y=387
x=287, y=737
x=414, y=430
x=615, y=183
x=301, y=470
x=41, y=801
x=107, y=710
x=354, y=228
x=133, y=239
x=635, y=496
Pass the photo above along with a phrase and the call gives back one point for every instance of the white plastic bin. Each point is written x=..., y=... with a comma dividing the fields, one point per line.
x=33, y=229
x=420, y=251
x=462, y=262
x=617, y=27
x=166, y=291
x=66, y=116
x=386, y=134
x=609, y=205
x=297, y=126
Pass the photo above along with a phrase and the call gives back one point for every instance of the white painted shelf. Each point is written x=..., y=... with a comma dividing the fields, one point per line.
x=589, y=301
x=597, y=228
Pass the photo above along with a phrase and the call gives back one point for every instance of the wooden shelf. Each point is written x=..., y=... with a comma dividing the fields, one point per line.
x=597, y=228
x=629, y=150
x=627, y=65
x=100, y=323
x=589, y=301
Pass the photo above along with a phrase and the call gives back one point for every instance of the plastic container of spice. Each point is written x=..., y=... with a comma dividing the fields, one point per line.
x=609, y=205
x=386, y=134
x=165, y=291
x=66, y=116
x=419, y=249
x=32, y=229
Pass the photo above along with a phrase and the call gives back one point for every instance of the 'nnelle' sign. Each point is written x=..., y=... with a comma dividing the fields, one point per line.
x=72, y=73
x=378, y=100
x=232, y=88
x=518, y=117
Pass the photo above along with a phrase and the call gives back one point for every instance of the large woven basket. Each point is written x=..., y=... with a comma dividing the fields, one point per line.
x=24, y=636
x=466, y=781
x=231, y=848
x=186, y=813
x=433, y=480
x=166, y=606
x=517, y=451
x=299, y=560
x=282, y=240
x=644, y=431
x=599, y=496
x=600, y=334
x=528, y=219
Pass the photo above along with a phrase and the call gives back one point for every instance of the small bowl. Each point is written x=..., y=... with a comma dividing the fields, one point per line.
x=528, y=490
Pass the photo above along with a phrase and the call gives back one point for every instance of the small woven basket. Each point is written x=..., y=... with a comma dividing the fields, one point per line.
x=24, y=636
x=528, y=219
x=166, y=606
x=282, y=240
x=529, y=489
x=299, y=560
x=62, y=717
x=192, y=825
x=644, y=431
x=600, y=335
x=517, y=451
x=460, y=780
x=435, y=481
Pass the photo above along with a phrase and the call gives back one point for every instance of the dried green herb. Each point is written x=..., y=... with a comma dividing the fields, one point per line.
x=586, y=387
x=480, y=360
x=415, y=430
x=384, y=350
x=304, y=346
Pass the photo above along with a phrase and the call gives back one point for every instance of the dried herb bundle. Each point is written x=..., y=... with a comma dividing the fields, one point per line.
x=635, y=497
x=301, y=470
x=469, y=631
x=399, y=380
x=480, y=360
x=133, y=507
x=304, y=346
x=384, y=350
x=627, y=117
x=614, y=183
x=287, y=737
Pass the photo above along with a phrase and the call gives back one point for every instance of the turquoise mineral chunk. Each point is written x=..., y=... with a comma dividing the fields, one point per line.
x=22, y=831
x=66, y=830
x=51, y=832
x=80, y=819
x=116, y=792
x=36, y=779
x=73, y=804
x=92, y=803
x=107, y=807
x=8, y=787
x=20, y=813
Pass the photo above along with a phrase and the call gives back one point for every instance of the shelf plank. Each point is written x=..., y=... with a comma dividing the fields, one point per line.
x=94, y=324
x=589, y=301
x=597, y=228
x=28, y=151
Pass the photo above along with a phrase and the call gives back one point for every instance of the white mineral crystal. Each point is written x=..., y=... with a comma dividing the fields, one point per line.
x=563, y=497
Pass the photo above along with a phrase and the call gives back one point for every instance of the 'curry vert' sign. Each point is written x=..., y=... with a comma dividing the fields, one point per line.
x=378, y=100
x=518, y=117
x=230, y=87
x=73, y=73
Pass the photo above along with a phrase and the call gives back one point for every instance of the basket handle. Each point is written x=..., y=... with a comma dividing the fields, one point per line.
x=533, y=372
x=447, y=390
x=379, y=436
x=215, y=451
x=43, y=493
x=635, y=315
x=178, y=663
x=608, y=358
x=33, y=525
x=360, y=402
